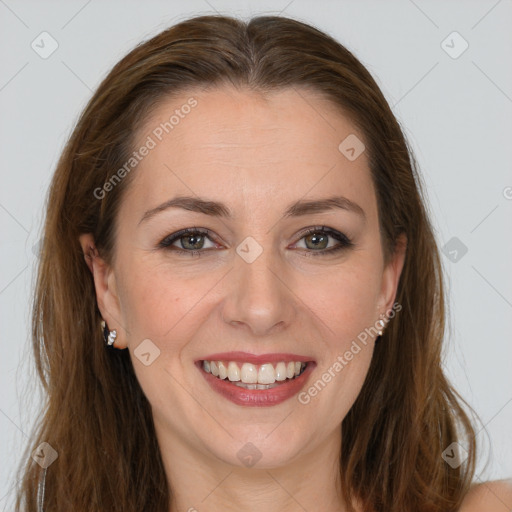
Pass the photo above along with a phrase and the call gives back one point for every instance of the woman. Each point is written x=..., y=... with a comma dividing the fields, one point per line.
x=240, y=301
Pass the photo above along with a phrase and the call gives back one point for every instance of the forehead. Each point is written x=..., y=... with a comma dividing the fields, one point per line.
x=240, y=143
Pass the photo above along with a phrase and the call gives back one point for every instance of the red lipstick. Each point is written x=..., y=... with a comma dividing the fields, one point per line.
x=282, y=391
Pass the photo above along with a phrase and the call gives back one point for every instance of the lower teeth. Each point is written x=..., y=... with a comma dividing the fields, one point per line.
x=254, y=386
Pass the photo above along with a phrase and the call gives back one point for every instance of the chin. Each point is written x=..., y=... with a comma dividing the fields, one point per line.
x=261, y=448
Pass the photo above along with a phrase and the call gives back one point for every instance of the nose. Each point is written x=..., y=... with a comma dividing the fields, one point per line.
x=260, y=299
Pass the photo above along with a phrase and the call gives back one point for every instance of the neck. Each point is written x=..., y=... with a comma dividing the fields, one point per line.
x=200, y=481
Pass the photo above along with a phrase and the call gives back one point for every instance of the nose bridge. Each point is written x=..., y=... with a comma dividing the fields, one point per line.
x=258, y=297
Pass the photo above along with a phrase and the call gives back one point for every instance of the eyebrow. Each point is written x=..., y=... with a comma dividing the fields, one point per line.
x=218, y=209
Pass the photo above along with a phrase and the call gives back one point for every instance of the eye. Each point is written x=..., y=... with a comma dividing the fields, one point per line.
x=317, y=241
x=191, y=240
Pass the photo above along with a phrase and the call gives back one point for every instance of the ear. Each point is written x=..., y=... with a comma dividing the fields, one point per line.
x=106, y=291
x=391, y=276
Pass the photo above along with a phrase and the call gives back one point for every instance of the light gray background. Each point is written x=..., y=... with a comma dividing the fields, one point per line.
x=456, y=114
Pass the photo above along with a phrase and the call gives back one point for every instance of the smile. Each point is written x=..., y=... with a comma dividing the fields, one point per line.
x=250, y=380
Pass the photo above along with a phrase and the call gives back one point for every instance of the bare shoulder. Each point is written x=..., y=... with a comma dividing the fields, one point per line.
x=493, y=496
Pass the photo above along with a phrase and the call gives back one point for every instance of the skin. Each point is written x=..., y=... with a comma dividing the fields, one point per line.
x=493, y=496
x=257, y=155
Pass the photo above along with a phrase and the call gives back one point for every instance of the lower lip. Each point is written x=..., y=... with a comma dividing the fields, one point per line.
x=257, y=397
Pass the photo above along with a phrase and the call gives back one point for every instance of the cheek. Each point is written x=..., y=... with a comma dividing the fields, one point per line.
x=158, y=300
x=346, y=302
x=337, y=383
x=150, y=303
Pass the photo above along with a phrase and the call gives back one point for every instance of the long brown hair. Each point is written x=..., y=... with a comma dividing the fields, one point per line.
x=96, y=416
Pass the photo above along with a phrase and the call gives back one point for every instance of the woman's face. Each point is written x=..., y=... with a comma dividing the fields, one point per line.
x=258, y=291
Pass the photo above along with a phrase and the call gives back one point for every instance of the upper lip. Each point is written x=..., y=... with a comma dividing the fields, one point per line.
x=246, y=357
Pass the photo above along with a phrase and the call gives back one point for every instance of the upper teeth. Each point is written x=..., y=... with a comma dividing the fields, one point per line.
x=252, y=374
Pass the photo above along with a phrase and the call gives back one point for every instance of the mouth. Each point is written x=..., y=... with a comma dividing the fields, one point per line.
x=247, y=382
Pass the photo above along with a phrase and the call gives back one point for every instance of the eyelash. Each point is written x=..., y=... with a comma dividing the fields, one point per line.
x=345, y=242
